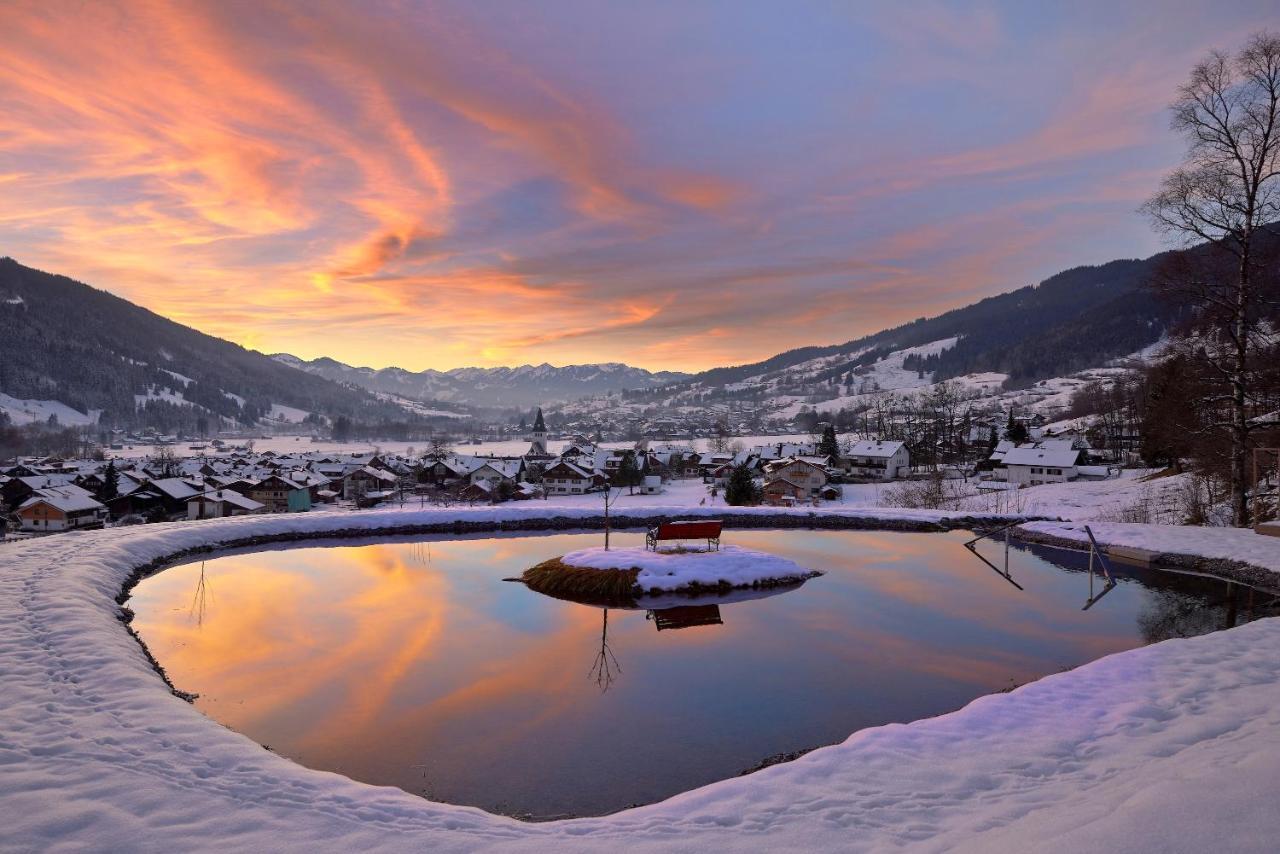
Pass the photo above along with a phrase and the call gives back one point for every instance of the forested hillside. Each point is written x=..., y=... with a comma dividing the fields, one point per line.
x=1075, y=319
x=63, y=340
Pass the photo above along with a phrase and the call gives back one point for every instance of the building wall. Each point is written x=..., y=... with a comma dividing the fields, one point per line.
x=1036, y=475
x=565, y=485
x=42, y=518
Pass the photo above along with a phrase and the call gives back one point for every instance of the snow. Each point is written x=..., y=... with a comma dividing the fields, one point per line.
x=287, y=414
x=1241, y=545
x=1158, y=500
x=38, y=411
x=186, y=381
x=671, y=569
x=1172, y=747
x=174, y=397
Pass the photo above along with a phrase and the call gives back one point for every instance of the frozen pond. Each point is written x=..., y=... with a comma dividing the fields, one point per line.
x=413, y=664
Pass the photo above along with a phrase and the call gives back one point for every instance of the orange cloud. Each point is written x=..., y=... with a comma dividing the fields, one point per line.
x=428, y=186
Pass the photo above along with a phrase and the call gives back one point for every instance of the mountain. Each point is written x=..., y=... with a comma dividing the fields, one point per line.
x=522, y=387
x=1076, y=319
x=70, y=350
x=1031, y=347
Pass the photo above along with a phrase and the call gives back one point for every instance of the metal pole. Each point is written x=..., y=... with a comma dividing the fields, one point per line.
x=1006, y=553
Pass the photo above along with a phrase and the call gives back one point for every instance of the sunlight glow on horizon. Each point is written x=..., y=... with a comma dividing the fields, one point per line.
x=675, y=186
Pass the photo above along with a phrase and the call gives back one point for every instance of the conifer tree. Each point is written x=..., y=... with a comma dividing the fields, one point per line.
x=741, y=488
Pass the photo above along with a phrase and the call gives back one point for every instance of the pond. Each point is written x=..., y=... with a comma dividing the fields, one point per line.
x=414, y=664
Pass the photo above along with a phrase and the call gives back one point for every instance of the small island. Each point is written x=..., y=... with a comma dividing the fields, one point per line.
x=627, y=573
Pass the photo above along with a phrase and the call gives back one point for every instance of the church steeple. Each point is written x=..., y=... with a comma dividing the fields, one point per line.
x=538, y=437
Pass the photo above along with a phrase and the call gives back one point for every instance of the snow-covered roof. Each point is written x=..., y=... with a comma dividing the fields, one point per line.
x=876, y=448
x=1058, y=458
x=175, y=487
x=65, y=501
x=229, y=496
x=575, y=470
x=506, y=468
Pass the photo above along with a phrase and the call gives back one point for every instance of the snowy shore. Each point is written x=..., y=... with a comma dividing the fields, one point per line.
x=1172, y=747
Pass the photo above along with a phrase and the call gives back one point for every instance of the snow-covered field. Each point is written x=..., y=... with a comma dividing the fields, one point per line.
x=38, y=411
x=1172, y=747
x=670, y=569
x=1131, y=496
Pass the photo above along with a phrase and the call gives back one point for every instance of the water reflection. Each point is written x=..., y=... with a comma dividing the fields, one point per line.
x=200, y=599
x=605, y=668
x=686, y=616
x=413, y=663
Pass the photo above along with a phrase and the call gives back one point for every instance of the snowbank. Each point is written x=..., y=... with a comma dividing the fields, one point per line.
x=1173, y=747
x=1175, y=544
x=670, y=570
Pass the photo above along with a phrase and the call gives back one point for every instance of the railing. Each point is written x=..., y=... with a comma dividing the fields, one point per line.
x=1096, y=556
x=971, y=545
x=1095, y=553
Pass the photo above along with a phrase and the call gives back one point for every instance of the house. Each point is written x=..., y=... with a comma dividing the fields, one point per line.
x=368, y=484
x=782, y=491
x=497, y=471
x=807, y=475
x=1035, y=466
x=719, y=476
x=479, y=492
x=220, y=503
x=19, y=487
x=158, y=500
x=525, y=491
x=566, y=478
x=652, y=485
x=280, y=495
x=878, y=459
x=55, y=510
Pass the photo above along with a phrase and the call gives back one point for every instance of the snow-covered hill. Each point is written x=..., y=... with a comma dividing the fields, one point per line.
x=828, y=384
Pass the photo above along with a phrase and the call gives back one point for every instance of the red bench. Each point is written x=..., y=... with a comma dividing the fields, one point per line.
x=708, y=530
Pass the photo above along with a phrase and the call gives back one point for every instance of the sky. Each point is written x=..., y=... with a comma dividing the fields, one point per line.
x=674, y=185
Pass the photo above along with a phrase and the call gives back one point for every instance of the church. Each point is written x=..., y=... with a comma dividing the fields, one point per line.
x=538, y=440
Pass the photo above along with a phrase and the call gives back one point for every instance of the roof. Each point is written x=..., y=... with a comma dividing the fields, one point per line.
x=876, y=448
x=229, y=496
x=67, y=503
x=174, y=487
x=1056, y=457
x=575, y=470
x=505, y=468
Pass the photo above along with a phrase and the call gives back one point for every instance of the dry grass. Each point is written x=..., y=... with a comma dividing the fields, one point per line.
x=582, y=584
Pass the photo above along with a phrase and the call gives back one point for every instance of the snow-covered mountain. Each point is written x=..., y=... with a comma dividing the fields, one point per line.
x=524, y=386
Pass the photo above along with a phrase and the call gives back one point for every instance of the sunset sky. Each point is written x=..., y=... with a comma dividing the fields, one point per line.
x=675, y=185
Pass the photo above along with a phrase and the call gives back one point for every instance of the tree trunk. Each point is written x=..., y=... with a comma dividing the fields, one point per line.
x=1239, y=411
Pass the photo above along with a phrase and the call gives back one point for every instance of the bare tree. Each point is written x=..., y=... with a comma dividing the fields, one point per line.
x=439, y=445
x=1226, y=191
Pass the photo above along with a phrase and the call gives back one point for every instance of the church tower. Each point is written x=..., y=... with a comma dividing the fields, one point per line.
x=538, y=438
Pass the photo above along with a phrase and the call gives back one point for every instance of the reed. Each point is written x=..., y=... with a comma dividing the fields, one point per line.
x=583, y=584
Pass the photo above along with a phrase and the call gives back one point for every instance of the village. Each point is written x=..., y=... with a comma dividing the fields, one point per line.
x=50, y=495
